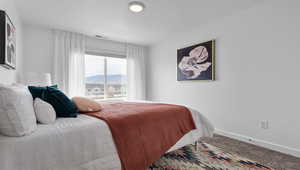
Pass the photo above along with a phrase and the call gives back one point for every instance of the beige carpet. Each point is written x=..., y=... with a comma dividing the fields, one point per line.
x=267, y=157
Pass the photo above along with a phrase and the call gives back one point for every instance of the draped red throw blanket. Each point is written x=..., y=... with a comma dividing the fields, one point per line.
x=143, y=132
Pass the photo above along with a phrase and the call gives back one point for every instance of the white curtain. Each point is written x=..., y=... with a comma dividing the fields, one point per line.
x=136, y=72
x=69, y=66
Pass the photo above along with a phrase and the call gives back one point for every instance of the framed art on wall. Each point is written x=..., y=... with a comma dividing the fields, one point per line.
x=196, y=62
x=7, y=41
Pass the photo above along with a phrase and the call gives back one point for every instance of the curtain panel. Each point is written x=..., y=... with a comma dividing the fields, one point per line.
x=136, y=72
x=69, y=66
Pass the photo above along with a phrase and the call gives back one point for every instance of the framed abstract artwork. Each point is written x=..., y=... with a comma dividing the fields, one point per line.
x=7, y=41
x=196, y=62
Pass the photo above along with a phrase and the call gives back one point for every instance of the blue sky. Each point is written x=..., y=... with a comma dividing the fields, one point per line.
x=94, y=65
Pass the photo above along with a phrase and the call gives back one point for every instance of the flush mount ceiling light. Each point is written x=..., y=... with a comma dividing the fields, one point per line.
x=136, y=6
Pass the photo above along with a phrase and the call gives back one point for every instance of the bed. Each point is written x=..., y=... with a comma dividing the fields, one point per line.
x=84, y=143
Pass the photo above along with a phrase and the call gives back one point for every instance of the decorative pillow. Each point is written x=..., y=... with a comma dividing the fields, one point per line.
x=36, y=91
x=86, y=105
x=44, y=112
x=17, y=117
x=62, y=105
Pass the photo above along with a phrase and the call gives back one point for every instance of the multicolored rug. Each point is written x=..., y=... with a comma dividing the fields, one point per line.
x=206, y=157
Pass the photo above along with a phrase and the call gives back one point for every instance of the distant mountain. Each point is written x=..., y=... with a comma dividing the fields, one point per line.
x=111, y=79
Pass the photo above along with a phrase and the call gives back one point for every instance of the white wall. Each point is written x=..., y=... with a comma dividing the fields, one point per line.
x=99, y=46
x=10, y=76
x=257, y=71
x=38, y=48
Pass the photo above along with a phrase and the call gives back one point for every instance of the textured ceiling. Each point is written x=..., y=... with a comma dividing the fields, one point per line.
x=112, y=19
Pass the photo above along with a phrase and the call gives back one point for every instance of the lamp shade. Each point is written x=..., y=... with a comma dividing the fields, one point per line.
x=37, y=79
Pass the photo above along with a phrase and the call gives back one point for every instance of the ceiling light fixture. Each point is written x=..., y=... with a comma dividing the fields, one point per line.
x=136, y=6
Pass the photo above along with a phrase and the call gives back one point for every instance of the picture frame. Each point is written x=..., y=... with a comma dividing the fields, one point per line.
x=196, y=62
x=7, y=41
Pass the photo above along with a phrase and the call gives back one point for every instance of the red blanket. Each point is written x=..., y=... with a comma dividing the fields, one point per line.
x=144, y=131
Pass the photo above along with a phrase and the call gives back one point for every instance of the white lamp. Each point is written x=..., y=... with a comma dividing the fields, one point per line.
x=37, y=79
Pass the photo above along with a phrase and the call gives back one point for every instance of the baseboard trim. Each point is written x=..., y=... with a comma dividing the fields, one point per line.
x=265, y=144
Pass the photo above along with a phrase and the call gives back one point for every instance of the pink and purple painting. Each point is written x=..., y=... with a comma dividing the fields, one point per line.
x=196, y=62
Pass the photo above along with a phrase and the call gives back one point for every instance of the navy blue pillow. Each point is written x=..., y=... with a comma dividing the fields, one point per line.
x=37, y=91
x=62, y=105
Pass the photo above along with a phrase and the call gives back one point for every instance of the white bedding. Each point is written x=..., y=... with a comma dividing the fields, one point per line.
x=84, y=143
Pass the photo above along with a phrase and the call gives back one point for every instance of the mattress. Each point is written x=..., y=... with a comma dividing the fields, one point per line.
x=83, y=143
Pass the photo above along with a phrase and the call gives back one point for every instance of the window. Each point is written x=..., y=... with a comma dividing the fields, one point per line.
x=105, y=77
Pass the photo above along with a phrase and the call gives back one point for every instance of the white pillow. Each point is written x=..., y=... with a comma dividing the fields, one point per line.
x=17, y=117
x=44, y=112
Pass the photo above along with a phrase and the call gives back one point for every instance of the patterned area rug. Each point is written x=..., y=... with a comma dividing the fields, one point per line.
x=206, y=157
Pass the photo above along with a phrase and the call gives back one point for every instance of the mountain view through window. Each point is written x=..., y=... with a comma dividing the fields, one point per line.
x=105, y=77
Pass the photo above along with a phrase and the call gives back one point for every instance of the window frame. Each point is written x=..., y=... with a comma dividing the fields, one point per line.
x=105, y=56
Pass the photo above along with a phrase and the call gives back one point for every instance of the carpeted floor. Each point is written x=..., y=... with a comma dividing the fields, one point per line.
x=276, y=160
x=222, y=153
